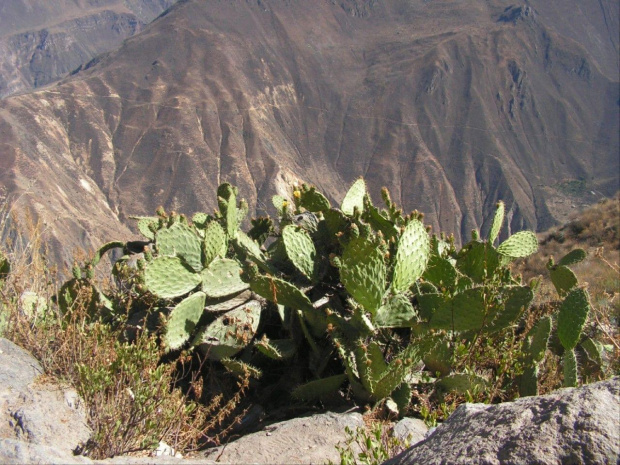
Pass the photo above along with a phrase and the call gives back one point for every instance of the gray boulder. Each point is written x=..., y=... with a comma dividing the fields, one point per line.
x=569, y=426
x=304, y=440
x=36, y=417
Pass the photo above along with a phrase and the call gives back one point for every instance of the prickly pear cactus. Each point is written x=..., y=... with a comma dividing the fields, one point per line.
x=183, y=320
x=412, y=256
x=229, y=333
x=354, y=198
x=363, y=273
x=498, y=219
x=170, y=277
x=181, y=241
x=572, y=316
x=300, y=250
x=214, y=243
x=520, y=244
x=222, y=278
x=563, y=279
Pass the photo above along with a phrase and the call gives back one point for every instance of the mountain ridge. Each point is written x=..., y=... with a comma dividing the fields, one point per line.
x=442, y=103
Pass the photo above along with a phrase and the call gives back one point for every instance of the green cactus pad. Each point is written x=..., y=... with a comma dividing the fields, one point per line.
x=180, y=240
x=528, y=382
x=183, y=320
x=521, y=244
x=363, y=273
x=397, y=371
x=227, y=202
x=516, y=299
x=563, y=279
x=229, y=333
x=379, y=222
x=279, y=202
x=241, y=369
x=498, y=220
x=170, y=277
x=477, y=260
x=280, y=292
x=201, y=220
x=569, y=364
x=396, y=313
x=222, y=278
x=412, y=256
x=535, y=344
x=594, y=350
x=354, y=197
x=429, y=303
x=312, y=200
x=573, y=257
x=317, y=389
x=370, y=364
x=462, y=383
x=464, y=312
x=147, y=225
x=439, y=358
x=440, y=272
x=215, y=243
x=276, y=349
x=246, y=247
x=300, y=250
x=572, y=316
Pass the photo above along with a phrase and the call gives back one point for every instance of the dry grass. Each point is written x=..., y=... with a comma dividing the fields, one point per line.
x=129, y=394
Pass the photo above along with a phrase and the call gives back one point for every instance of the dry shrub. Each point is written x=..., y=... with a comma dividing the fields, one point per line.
x=128, y=393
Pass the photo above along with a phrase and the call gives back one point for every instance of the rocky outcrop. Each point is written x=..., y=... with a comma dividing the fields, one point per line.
x=569, y=426
x=39, y=421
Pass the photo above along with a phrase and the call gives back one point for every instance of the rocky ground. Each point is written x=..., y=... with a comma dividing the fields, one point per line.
x=41, y=422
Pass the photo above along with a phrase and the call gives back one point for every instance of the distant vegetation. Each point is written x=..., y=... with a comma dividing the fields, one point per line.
x=322, y=305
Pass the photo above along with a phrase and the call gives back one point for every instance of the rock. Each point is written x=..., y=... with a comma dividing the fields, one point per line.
x=575, y=425
x=34, y=413
x=17, y=452
x=410, y=429
x=303, y=440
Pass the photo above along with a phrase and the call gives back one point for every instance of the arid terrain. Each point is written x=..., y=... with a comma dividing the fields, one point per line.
x=42, y=41
x=450, y=104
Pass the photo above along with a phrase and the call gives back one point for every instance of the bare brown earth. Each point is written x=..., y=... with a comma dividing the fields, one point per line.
x=451, y=104
x=42, y=40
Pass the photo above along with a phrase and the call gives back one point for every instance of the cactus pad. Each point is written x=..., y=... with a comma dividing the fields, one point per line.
x=463, y=312
x=281, y=292
x=498, y=219
x=563, y=279
x=319, y=388
x=572, y=316
x=535, y=344
x=229, y=333
x=214, y=244
x=569, y=364
x=396, y=313
x=300, y=250
x=354, y=198
x=169, y=277
x=440, y=272
x=477, y=260
x=412, y=256
x=147, y=225
x=521, y=244
x=183, y=320
x=312, y=200
x=276, y=349
x=363, y=273
x=515, y=300
x=222, y=278
x=180, y=240
x=573, y=257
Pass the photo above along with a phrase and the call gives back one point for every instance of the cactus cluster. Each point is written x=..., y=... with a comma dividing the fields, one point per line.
x=358, y=295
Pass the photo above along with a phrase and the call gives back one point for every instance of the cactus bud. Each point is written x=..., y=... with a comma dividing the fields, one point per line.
x=77, y=273
x=475, y=235
x=296, y=194
x=160, y=211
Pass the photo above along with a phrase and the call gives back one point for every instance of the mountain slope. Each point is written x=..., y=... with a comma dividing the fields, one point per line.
x=452, y=105
x=42, y=41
